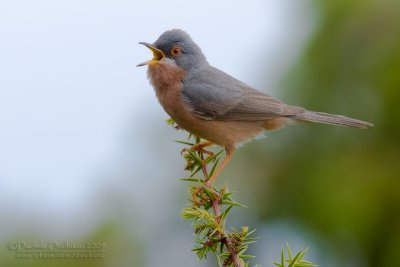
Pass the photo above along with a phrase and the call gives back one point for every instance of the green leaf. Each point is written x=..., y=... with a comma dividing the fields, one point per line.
x=246, y=256
x=251, y=232
x=289, y=252
x=213, y=168
x=207, y=206
x=294, y=260
x=249, y=242
x=184, y=142
x=208, y=192
x=225, y=213
x=217, y=258
x=233, y=203
x=213, y=157
x=195, y=157
x=226, y=195
x=303, y=252
x=197, y=180
x=214, y=231
x=195, y=171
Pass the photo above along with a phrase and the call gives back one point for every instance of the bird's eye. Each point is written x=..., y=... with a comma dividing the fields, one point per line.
x=176, y=51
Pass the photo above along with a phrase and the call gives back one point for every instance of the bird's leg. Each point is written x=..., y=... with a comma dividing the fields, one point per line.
x=200, y=148
x=229, y=153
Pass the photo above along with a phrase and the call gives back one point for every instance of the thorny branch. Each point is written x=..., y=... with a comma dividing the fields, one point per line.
x=211, y=236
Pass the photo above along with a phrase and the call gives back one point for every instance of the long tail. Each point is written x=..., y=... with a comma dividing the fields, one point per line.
x=327, y=118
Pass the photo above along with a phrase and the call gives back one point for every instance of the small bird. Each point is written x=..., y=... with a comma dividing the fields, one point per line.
x=215, y=106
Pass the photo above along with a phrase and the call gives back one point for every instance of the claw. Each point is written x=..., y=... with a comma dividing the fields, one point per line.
x=199, y=148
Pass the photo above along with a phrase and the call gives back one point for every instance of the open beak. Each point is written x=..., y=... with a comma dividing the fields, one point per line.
x=158, y=55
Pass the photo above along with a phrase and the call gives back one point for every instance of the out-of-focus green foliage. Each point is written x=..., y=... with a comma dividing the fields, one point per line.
x=341, y=183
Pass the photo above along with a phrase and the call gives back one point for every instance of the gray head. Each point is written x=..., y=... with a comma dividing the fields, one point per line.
x=176, y=47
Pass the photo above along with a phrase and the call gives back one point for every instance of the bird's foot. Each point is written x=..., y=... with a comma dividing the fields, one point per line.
x=200, y=148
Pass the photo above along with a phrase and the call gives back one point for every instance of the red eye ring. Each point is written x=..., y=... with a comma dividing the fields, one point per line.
x=176, y=51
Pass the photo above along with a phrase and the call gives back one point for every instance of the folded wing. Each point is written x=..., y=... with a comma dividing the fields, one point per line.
x=215, y=95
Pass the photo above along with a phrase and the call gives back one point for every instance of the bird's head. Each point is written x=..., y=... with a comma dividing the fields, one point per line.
x=175, y=47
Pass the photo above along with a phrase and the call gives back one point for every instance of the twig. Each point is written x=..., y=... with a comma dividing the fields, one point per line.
x=215, y=202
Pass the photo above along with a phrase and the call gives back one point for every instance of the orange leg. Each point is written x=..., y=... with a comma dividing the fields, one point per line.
x=227, y=158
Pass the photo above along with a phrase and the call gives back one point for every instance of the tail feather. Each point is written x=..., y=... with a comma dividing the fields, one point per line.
x=327, y=118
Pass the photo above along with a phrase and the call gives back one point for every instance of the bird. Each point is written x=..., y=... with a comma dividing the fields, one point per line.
x=215, y=106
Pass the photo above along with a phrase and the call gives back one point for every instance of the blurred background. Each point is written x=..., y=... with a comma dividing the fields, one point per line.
x=86, y=154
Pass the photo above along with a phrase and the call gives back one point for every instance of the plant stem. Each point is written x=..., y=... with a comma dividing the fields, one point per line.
x=215, y=201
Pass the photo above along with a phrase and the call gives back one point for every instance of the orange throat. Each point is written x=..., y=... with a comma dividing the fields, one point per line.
x=164, y=76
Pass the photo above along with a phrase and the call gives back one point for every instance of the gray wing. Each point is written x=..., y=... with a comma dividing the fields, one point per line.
x=214, y=95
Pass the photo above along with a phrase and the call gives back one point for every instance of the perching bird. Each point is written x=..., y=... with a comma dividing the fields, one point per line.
x=215, y=106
